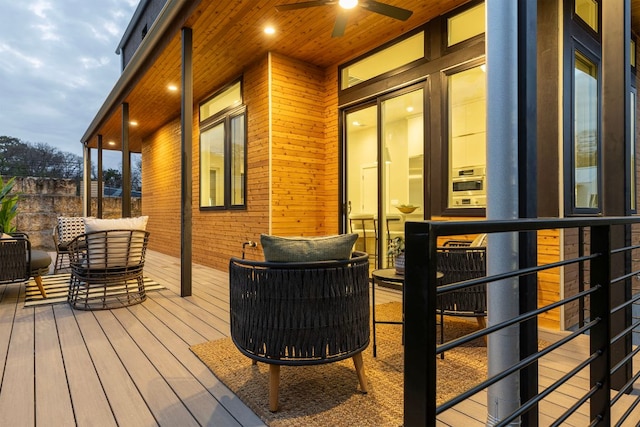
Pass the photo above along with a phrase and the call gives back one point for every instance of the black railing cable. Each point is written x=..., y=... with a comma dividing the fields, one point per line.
x=576, y=405
x=526, y=316
x=624, y=333
x=553, y=387
x=626, y=387
x=514, y=368
x=628, y=412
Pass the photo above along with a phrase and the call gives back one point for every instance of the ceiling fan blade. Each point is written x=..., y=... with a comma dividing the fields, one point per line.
x=387, y=10
x=341, y=24
x=302, y=5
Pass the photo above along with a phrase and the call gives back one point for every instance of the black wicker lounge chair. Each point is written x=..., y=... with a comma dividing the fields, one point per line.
x=458, y=264
x=18, y=262
x=300, y=313
x=106, y=269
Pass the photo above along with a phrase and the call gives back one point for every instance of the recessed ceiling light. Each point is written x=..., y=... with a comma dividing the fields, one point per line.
x=133, y=123
x=409, y=109
x=269, y=30
x=111, y=143
x=348, y=4
x=172, y=88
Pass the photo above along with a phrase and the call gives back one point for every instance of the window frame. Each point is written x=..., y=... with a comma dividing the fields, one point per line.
x=444, y=31
x=225, y=117
x=570, y=144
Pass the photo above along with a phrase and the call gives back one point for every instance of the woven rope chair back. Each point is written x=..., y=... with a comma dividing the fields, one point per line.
x=300, y=313
x=459, y=264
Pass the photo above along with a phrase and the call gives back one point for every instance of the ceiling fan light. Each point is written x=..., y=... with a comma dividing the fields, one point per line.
x=348, y=4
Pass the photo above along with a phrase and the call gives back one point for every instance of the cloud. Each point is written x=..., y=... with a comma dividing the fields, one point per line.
x=57, y=65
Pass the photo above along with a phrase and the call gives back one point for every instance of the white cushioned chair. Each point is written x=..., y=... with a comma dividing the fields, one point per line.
x=107, y=264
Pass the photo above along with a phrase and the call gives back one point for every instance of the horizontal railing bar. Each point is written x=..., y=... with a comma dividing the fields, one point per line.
x=626, y=303
x=451, y=287
x=524, y=362
x=628, y=412
x=627, y=386
x=553, y=387
x=576, y=405
x=449, y=228
x=623, y=333
x=623, y=277
x=521, y=318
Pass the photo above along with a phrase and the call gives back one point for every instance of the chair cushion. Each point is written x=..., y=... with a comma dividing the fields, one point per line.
x=100, y=224
x=307, y=249
x=69, y=227
x=116, y=247
x=39, y=260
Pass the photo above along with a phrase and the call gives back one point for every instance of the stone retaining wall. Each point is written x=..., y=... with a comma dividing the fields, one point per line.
x=43, y=200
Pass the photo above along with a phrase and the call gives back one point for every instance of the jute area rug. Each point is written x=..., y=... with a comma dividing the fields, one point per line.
x=57, y=287
x=326, y=395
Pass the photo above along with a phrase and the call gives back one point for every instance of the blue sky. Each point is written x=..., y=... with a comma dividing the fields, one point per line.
x=57, y=65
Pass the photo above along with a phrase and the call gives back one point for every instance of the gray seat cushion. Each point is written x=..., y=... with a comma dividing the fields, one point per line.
x=39, y=260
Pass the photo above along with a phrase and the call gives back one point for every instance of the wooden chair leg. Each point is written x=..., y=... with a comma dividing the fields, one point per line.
x=38, y=280
x=362, y=379
x=482, y=323
x=274, y=384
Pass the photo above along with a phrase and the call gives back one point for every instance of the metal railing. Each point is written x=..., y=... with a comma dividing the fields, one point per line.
x=606, y=297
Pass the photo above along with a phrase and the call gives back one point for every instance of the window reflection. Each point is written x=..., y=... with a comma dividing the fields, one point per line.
x=585, y=111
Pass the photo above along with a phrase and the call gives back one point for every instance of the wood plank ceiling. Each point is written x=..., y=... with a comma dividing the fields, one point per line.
x=228, y=35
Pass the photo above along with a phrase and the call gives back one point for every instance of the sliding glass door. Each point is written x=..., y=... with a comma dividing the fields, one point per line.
x=384, y=170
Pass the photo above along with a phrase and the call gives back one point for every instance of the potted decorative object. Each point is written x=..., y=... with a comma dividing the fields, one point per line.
x=8, y=205
x=396, y=252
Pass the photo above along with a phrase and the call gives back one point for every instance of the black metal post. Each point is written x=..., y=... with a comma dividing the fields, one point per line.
x=600, y=338
x=527, y=196
x=186, y=135
x=420, y=326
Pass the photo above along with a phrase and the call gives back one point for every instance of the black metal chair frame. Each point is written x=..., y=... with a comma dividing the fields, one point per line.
x=15, y=261
x=457, y=264
x=106, y=269
x=300, y=313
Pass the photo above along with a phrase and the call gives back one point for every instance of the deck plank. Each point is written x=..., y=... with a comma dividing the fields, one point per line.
x=50, y=369
x=153, y=388
x=17, y=394
x=90, y=403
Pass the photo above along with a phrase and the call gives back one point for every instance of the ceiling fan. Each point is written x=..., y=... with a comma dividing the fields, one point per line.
x=341, y=20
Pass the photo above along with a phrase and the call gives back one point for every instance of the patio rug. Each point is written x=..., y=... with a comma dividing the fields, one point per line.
x=57, y=286
x=326, y=395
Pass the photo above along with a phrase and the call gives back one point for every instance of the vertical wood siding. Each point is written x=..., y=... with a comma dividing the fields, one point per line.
x=300, y=149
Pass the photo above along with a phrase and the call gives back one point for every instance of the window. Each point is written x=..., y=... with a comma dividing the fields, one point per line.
x=587, y=10
x=467, y=138
x=586, y=135
x=395, y=56
x=223, y=143
x=632, y=151
x=465, y=25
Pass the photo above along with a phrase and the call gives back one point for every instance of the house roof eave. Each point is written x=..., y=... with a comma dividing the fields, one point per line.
x=136, y=65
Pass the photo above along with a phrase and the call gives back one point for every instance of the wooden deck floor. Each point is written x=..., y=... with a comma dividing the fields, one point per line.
x=133, y=366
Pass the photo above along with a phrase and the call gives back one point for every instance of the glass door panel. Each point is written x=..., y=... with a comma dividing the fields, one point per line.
x=391, y=130
x=362, y=177
x=402, y=134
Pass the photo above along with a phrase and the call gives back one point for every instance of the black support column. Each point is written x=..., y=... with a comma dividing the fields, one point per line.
x=616, y=33
x=186, y=159
x=527, y=195
x=100, y=178
x=126, y=163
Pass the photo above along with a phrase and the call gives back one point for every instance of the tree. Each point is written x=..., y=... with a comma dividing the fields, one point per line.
x=19, y=158
x=112, y=178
